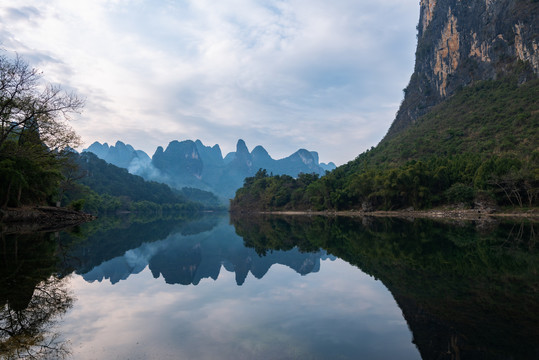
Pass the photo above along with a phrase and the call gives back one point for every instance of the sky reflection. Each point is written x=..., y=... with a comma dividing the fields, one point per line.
x=338, y=312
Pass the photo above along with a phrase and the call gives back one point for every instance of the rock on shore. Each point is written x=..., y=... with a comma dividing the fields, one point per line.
x=41, y=218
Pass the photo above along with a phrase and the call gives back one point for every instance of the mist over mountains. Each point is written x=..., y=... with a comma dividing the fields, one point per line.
x=192, y=164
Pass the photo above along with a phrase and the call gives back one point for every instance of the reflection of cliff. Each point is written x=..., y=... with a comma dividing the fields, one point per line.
x=465, y=293
x=478, y=300
x=188, y=257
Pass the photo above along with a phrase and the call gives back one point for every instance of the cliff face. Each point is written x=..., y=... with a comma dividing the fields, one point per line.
x=463, y=41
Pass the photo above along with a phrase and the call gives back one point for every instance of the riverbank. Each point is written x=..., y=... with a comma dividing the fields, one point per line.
x=449, y=214
x=40, y=218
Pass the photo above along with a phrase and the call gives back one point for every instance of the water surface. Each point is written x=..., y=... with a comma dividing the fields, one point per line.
x=272, y=288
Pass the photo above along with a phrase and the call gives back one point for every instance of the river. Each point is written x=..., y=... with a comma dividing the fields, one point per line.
x=274, y=287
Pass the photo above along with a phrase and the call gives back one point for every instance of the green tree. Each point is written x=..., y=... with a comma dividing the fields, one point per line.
x=34, y=133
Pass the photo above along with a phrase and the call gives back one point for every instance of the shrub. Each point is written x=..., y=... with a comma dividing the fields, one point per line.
x=460, y=193
x=77, y=205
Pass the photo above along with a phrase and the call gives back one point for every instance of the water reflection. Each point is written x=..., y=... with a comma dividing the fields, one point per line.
x=32, y=299
x=335, y=311
x=193, y=251
x=465, y=290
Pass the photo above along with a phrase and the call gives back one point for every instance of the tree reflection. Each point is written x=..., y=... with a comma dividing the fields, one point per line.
x=28, y=333
x=32, y=298
x=467, y=290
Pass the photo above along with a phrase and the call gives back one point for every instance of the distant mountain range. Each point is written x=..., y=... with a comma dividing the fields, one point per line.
x=192, y=164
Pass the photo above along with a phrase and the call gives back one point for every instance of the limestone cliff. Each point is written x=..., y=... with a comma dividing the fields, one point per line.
x=463, y=41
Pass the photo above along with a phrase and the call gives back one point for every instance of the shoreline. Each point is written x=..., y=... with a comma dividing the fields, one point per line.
x=40, y=218
x=441, y=214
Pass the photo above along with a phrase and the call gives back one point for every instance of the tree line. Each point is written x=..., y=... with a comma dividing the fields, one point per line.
x=466, y=179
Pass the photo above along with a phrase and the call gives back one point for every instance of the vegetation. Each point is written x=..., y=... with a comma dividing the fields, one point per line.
x=95, y=186
x=32, y=298
x=38, y=167
x=480, y=146
x=34, y=132
x=468, y=285
x=206, y=198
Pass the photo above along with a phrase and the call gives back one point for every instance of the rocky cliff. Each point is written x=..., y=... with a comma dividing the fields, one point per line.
x=461, y=42
x=120, y=154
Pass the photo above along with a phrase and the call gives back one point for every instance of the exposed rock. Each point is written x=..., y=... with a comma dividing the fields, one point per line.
x=210, y=156
x=120, y=154
x=367, y=206
x=180, y=160
x=460, y=42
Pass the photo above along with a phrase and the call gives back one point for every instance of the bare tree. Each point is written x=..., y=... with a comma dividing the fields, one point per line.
x=30, y=333
x=27, y=105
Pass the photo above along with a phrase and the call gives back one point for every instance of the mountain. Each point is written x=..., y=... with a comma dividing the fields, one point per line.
x=302, y=161
x=192, y=164
x=105, y=178
x=120, y=154
x=181, y=161
x=460, y=43
x=211, y=156
x=465, y=134
x=475, y=84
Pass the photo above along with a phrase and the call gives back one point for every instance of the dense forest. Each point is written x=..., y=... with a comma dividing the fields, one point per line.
x=478, y=148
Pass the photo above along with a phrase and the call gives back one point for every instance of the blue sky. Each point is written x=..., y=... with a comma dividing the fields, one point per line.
x=285, y=74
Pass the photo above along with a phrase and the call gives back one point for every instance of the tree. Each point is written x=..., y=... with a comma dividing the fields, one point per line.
x=29, y=105
x=34, y=132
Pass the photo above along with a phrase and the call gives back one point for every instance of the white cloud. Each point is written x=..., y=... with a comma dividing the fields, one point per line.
x=321, y=75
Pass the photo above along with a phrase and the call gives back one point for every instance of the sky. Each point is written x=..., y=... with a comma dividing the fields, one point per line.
x=326, y=76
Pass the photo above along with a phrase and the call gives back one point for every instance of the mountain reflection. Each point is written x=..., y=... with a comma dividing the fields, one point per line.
x=191, y=252
x=467, y=290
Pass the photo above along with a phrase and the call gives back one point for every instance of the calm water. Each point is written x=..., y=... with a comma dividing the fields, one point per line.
x=272, y=288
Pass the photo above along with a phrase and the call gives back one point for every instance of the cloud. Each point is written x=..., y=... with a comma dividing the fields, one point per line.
x=25, y=13
x=283, y=74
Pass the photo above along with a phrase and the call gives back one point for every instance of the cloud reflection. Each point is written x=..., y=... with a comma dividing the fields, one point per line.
x=258, y=320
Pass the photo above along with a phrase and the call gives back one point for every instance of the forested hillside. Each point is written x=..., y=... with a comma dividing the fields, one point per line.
x=99, y=187
x=480, y=146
